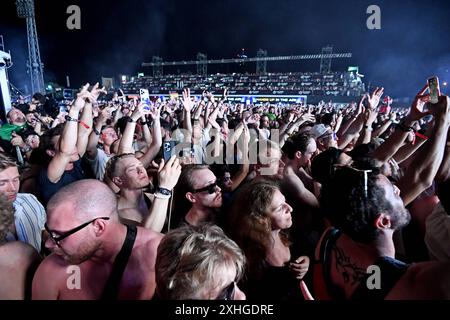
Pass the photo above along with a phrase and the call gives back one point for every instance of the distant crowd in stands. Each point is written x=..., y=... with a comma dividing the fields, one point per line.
x=307, y=83
x=208, y=199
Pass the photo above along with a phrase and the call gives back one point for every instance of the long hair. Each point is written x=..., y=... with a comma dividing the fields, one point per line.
x=250, y=226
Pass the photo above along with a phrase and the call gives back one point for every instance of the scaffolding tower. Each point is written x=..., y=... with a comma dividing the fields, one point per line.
x=325, y=61
x=25, y=9
x=261, y=65
x=157, y=66
x=202, y=66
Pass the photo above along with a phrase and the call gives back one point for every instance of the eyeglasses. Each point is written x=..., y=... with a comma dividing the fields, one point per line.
x=58, y=238
x=211, y=188
x=228, y=292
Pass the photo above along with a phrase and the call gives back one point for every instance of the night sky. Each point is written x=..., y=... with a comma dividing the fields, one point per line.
x=117, y=36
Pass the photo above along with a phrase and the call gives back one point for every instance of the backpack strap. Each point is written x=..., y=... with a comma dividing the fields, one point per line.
x=323, y=287
x=111, y=290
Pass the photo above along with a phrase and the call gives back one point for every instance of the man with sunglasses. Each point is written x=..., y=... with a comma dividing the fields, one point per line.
x=113, y=260
x=199, y=197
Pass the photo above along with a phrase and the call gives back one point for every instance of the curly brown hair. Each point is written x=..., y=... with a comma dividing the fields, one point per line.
x=250, y=226
x=6, y=218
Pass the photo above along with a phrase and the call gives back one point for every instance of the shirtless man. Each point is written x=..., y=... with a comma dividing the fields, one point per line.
x=85, y=232
x=135, y=206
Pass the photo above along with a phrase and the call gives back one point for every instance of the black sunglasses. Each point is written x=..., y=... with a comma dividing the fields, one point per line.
x=211, y=188
x=228, y=292
x=59, y=238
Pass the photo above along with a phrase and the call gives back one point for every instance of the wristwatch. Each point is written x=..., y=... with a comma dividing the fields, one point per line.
x=164, y=191
x=69, y=118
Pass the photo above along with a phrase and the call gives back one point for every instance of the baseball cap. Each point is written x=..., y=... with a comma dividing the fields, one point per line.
x=318, y=130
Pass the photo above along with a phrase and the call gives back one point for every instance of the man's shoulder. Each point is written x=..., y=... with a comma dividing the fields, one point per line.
x=424, y=280
x=28, y=200
x=27, y=196
x=52, y=268
x=18, y=251
x=149, y=239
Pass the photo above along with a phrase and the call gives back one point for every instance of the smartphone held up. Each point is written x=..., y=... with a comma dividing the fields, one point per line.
x=433, y=89
x=145, y=98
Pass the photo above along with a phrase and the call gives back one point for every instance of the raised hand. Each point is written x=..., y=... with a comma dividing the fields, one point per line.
x=210, y=96
x=360, y=108
x=96, y=91
x=374, y=99
x=307, y=117
x=82, y=97
x=416, y=112
x=169, y=174
x=155, y=112
x=188, y=104
x=138, y=112
x=225, y=94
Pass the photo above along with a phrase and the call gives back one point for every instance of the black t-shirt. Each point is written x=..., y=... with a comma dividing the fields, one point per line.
x=48, y=188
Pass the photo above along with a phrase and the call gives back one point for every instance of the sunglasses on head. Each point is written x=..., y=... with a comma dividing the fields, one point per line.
x=210, y=188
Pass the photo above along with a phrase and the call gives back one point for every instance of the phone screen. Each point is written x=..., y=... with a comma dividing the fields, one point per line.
x=145, y=98
x=168, y=149
x=433, y=88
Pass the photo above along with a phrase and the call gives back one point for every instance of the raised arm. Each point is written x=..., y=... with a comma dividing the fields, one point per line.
x=422, y=171
x=68, y=139
x=188, y=104
x=91, y=150
x=243, y=172
x=85, y=123
x=156, y=144
x=168, y=176
x=390, y=147
x=126, y=143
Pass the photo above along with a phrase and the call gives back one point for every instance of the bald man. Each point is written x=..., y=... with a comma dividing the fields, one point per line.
x=94, y=256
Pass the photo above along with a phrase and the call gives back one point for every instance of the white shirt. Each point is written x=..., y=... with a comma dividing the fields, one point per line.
x=29, y=220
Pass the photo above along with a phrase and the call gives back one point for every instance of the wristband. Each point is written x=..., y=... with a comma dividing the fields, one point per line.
x=421, y=136
x=161, y=196
x=83, y=124
x=96, y=131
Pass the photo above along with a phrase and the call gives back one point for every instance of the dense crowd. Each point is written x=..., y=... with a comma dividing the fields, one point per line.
x=209, y=199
